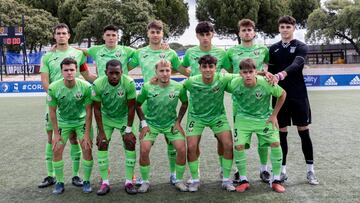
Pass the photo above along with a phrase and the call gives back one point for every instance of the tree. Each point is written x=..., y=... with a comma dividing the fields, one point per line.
x=50, y=6
x=174, y=13
x=265, y=13
x=336, y=20
x=38, y=23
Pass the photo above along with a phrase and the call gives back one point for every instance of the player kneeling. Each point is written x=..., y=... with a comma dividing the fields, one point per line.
x=162, y=97
x=252, y=95
x=70, y=109
x=114, y=107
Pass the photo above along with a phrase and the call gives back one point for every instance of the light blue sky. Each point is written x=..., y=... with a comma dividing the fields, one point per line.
x=189, y=38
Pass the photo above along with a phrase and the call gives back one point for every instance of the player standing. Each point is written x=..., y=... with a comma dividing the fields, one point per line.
x=70, y=109
x=259, y=53
x=160, y=117
x=252, y=95
x=207, y=110
x=287, y=59
x=50, y=71
x=114, y=108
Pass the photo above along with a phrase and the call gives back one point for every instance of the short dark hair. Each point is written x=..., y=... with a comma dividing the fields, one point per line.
x=59, y=26
x=207, y=59
x=113, y=63
x=110, y=27
x=247, y=64
x=287, y=20
x=155, y=24
x=68, y=61
x=204, y=27
x=246, y=23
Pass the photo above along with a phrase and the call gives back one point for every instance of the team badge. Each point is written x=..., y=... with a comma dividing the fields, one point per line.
x=162, y=55
x=258, y=94
x=172, y=95
x=78, y=95
x=256, y=52
x=118, y=54
x=121, y=93
x=292, y=49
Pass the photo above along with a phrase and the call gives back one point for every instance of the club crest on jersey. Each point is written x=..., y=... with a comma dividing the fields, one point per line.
x=172, y=95
x=93, y=93
x=292, y=49
x=256, y=52
x=258, y=94
x=162, y=55
x=121, y=93
x=79, y=95
x=118, y=54
x=216, y=89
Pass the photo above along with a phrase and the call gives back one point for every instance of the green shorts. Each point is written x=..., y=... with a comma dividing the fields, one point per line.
x=79, y=131
x=168, y=133
x=48, y=123
x=244, y=128
x=110, y=126
x=195, y=126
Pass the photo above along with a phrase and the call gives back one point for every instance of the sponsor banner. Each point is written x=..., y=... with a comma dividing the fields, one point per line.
x=312, y=80
x=21, y=87
x=340, y=80
x=19, y=69
x=140, y=82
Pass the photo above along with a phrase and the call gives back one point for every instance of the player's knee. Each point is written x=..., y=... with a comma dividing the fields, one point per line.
x=103, y=146
x=302, y=128
x=144, y=152
x=87, y=155
x=239, y=147
x=181, y=151
x=275, y=144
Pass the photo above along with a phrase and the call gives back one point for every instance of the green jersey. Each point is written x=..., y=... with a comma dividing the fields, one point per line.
x=253, y=102
x=259, y=53
x=114, y=99
x=147, y=58
x=207, y=100
x=70, y=102
x=162, y=103
x=50, y=62
x=192, y=56
x=102, y=55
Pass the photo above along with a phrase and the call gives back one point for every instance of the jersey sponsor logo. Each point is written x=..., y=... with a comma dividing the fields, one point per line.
x=258, y=94
x=121, y=93
x=54, y=59
x=276, y=50
x=106, y=93
x=78, y=95
x=63, y=97
x=145, y=55
x=155, y=95
x=292, y=49
x=4, y=87
x=240, y=53
x=331, y=82
x=355, y=81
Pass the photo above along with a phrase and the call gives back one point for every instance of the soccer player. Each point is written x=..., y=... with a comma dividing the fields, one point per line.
x=204, y=33
x=253, y=94
x=114, y=108
x=70, y=109
x=260, y=53
x=287, y=59
x=146, y=58
x=160, y=117
x=207, y=110
x=110, y=50
x=50, y=72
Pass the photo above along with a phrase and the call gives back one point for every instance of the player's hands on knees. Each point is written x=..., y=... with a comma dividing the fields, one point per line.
x=143, y=132
x=129, y=140
x=87, y=142
x=178, y=127
x=56, y=141
x=272, y=119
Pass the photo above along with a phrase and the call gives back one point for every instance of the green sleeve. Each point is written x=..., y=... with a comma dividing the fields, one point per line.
x=44, y=64
x=267, y=56
x=51, y=99
x=93, y=50
x=226, y=64
x=183, y=96
x=187, y=84
x=276, y=90
x=131, y=90
x=175, y=61
x=130, y=51
x=142, y=96
x=134, y=62
x=88, y=95
x=83, y=58
x=95, y=93
x=186, y=60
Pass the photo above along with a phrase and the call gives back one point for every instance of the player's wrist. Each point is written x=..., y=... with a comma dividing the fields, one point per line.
x=128, y=129
x=280, y=75
x=143, y=123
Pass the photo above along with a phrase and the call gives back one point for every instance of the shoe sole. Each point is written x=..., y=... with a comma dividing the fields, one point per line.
x=102, y=194
x=45, y=186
